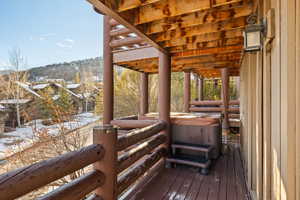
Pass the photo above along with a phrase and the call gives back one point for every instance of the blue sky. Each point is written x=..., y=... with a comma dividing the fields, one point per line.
x=49, y=31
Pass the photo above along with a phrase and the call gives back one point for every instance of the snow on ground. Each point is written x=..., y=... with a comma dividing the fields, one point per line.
x=26, y=135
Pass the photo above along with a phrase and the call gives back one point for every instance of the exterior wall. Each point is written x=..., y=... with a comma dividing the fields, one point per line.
x=270, y=108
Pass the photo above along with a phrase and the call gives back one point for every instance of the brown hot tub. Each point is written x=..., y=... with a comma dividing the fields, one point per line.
x=188, y=128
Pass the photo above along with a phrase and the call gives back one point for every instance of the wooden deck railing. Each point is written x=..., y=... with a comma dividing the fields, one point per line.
x=139, y=151
x=22, y=181
x=214, y=106
x=143, y=150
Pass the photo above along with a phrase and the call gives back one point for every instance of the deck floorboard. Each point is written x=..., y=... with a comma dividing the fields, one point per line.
x=226, y=181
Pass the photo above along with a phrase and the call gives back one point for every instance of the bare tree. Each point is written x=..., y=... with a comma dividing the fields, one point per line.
x=17, y=61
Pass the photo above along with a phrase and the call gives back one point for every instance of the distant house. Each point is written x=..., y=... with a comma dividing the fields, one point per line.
x=3, y=117
x=9, y=112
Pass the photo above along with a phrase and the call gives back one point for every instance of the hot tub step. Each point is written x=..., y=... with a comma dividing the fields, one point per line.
x=200, y=162
x=194, y=147
x=206, y=149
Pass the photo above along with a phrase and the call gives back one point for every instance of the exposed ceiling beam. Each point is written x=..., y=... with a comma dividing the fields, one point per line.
x=170, y=8
x=210, y=44
x=201, y=52
x=201, y=29
x=203, y=38
x=195, y=18
x=206, y=59
x=135, y=54
x=131, y=4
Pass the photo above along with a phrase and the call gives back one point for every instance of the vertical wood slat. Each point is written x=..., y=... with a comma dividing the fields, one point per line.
x=298, y=99
x=288, y=96
x=266, y=118
x=258, y=126
x=275, y=105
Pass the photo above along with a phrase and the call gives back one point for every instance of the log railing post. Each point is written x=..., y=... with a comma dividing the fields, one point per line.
x=106, y=135
x=144, y=102
x=187, y=91
x=108, y=75
x=164, y=94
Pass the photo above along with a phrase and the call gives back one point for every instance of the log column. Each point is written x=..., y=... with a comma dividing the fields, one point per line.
x=225, y=92
x=108, y=75
x=187, y=91
x=144, y=102
x=196, y=77
x=200, y=89
x=106, y=135
x=164, y=95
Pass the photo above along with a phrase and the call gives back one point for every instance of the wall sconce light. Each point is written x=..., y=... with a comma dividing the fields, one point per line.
x=253, y=34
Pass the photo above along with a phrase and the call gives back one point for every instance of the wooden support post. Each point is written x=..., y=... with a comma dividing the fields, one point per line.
x=200, y=92
x=106, y=135
x=164, y=94
x=225, y=92
x=187, y=91
x=108, y=75
x=144, y=103
x=196, y=77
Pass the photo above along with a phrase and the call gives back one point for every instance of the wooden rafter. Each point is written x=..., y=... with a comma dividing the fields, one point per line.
x=196, y=18
x=205, y=59
x=203, y=38
x=211, y=44
x=108, y=8
x=201, y=29
x=201, y=52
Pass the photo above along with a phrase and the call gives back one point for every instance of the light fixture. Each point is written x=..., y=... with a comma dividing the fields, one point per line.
x=253, y=34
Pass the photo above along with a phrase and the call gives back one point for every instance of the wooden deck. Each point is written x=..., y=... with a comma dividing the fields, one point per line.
x=225, y=182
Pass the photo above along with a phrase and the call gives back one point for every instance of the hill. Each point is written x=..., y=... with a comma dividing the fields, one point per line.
x=67, y=70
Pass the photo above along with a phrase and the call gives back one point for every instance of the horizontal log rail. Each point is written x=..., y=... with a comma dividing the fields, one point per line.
x=22, y=181
x=213, y=109
x=130, y=124
x=130, y=157
x=133, y=174
x=130, y=117
x=213, y=103
x=136, y=136
x=143, y=180
x=78, y=188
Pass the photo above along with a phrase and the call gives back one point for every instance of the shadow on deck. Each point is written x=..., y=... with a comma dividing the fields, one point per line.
x=226, y=181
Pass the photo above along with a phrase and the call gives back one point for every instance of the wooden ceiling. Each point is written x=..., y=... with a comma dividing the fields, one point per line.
x=200, y=35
